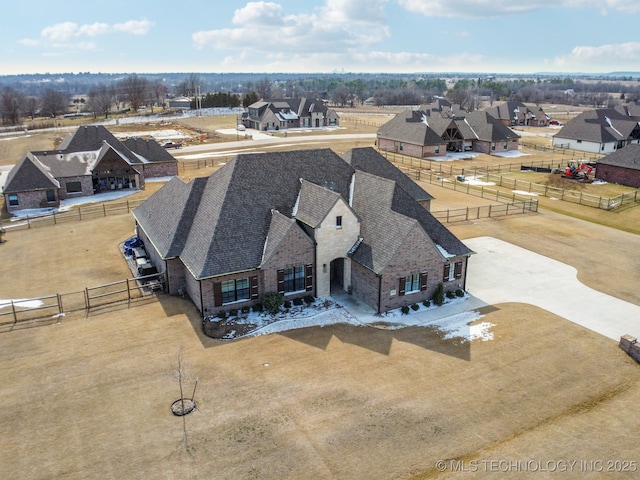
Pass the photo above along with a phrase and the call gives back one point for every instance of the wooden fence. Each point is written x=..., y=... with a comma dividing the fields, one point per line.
x=487, y=211
x=82, y=212
x=53, y=306
x=438, y=173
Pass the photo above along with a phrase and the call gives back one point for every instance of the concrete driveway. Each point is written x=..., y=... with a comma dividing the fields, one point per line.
x=501, y=272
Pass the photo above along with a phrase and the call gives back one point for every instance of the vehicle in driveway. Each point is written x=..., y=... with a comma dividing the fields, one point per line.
x=172, y=145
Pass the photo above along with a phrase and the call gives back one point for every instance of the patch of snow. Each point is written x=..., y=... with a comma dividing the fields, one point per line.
x=523, y=192
x=477, y=182
x=599, y=182
x=21, y=302
x=325, y=312
x=510, y=154
x=444, y=253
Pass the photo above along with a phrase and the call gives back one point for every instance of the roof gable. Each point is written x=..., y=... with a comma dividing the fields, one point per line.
x=29, y=174
x=314, y=203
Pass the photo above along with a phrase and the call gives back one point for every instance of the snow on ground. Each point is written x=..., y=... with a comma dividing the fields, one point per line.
x=476, y=181
x=21, y=302
x=511, y=154
x=325, y=311
x=166, y=134
x=451, y=156
x=523, y=192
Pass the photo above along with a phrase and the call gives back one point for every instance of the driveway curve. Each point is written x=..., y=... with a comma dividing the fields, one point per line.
x=501, y=272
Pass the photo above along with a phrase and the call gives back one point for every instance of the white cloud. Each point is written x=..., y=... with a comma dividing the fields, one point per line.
x=134, y=27
x=490, y=8
x=60, y=31
x=336, y=26
x=603, y=56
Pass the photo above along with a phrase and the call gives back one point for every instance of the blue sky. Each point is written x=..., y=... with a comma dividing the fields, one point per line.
x=395, y=36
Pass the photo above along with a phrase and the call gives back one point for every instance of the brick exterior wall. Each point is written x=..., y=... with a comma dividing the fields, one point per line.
x=160, y=169
x=85, y=181
x=412, y=150
x=295, y=250
x=33, y=199
x=417, y=255
x=620, y=175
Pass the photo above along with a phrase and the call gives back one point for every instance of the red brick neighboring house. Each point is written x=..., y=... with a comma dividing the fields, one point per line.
x=622, y=167
x=430, y=132
x=86, y=163
x=300, y=223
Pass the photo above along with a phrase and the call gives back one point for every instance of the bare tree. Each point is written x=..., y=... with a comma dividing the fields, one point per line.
x=53, y=102
x=31, y=106
x=101, y=100
x=189, y=86
x=134, y=88
x=263, y=88
x=11, y=102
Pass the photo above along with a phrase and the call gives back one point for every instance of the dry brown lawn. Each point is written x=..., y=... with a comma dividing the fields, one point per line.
x=89, y=395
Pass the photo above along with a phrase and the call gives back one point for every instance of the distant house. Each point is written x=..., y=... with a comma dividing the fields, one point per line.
x=88, y=162
x=621, y=166
x=300, y=223
x=513, y=113
x=289, y=113
x=434, y=130
x=602, y=130
x=180, y=103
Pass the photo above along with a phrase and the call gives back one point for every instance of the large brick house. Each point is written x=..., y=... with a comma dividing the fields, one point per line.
x=432, y=132
x=300, y=223
x=88, y=162
x=289, y=113
x=621, y=166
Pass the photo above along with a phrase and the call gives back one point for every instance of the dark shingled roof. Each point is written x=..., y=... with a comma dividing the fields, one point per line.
x=369, y=160
x=627, y=157
x=150, y=150
x=234, y=220
x=603, y=125
x=488, y=128
x=28, y=175
x=410, y=127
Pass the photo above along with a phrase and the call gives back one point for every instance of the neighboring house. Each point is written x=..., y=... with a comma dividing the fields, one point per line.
x=88, y=162
x=622, y=166
x=289, y=113
x=300, y=223
x=433, y=130
x=180, y=103
x=516, y=114
x=602, y=130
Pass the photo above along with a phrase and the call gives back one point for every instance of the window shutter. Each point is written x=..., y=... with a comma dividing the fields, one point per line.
x=254, y=287
x=447, y=270
x=308, y=280
x=217, y=294
x=281, y=282
x=458, y=269
x=423, y=281
x=401, y=286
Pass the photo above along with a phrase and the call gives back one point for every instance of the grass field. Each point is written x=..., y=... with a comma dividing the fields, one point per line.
x=89, y=395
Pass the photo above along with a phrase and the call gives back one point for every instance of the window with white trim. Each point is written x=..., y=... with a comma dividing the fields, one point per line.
x=412, y=283
x=13, y=200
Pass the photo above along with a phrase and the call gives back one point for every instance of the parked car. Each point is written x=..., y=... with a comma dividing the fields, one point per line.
x=555, y=122
x=172, y=145
x=241, y=128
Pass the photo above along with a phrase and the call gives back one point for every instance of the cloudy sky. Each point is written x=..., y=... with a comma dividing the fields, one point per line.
x=493, y=36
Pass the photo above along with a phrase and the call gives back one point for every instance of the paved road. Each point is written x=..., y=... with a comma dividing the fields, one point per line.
x=502, y=272
x=261, y=141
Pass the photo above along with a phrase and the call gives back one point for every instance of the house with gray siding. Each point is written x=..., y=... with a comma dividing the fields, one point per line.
x=601, y=130
x=289, y=113
x=300, y=223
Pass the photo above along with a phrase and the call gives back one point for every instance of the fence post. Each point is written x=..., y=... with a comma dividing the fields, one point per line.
x=79, y=213
x=60, y=309
x=128, y=206
x=128, y=290
x=467, y=215
x=489, y=210
x=86, y=298
x=104, y=210
x=13, y=309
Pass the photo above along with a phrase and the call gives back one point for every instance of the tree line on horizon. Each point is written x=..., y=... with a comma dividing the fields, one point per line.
x=26, y=97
